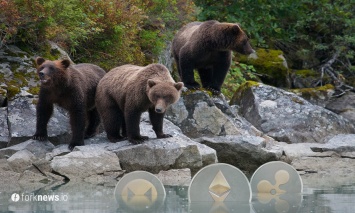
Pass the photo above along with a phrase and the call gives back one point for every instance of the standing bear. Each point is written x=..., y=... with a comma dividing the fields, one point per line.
x=207, y=47
x=127, y=91
x=73, y=88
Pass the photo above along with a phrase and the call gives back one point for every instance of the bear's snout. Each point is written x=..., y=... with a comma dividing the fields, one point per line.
x=159, y=110
x=41, y=75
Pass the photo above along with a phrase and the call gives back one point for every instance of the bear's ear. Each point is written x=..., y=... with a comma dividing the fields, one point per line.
x=179, y=85
x=151, y=82
x=65, y=63
x=236, y=28
x=40, y=61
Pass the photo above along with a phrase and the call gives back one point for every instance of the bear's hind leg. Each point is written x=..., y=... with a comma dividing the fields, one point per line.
x=93, y=123
x=206, y=76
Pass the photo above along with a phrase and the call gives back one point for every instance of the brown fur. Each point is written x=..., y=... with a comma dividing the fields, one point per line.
x=127, y=91
x=206, y=46
x=73, y=88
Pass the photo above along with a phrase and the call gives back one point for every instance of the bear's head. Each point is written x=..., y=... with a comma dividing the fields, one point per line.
x=162, y=94
x=241, y=41
x=52, y=73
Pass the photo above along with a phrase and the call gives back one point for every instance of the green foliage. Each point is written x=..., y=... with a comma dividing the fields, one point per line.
x=107, y=33
x=237, y=75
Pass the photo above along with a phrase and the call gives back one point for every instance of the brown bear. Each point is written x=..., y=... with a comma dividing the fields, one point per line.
x=206, y=46
x=73, y=88
x=125, y=92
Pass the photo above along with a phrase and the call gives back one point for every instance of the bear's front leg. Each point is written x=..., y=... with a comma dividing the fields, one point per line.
x=132, y=120
x=77, y=123
x=157, y=120
x=44, y=110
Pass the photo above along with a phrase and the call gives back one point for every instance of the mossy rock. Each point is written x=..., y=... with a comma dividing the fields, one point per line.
x=307, y=78
x=270, y=64
x=240, y=91
x=317, y=95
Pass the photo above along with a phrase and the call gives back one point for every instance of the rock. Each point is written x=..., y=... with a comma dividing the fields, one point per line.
x=160, y=154
x=4, y=128
x=307, y=78
x=319, y=95
x=85, y=161
x=270, y=64
x=344, y=106
x=287, y=117
x=244, y=152
x=9, y=178
x=21, y=160
x=175, y=177
x=198, y=115
x=22, y=121
x=38, y=148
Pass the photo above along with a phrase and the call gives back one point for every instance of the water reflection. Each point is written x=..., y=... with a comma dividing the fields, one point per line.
x=100, y=198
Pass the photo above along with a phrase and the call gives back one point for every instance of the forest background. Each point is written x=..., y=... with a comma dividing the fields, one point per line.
x=310, y=33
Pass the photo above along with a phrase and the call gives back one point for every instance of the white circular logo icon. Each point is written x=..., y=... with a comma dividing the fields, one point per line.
x=15, y=197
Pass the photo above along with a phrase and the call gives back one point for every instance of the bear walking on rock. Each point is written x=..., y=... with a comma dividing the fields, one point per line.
x=206, y=46
x=125, y=92
x=73, y=88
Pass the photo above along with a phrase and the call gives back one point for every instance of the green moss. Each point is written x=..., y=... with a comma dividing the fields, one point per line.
x=306, y=73
x=269, y=64
x=34, y=90
x=12, y=91
x=297, y=100
x=241, y=89
x=190, y=91
x=313, y=93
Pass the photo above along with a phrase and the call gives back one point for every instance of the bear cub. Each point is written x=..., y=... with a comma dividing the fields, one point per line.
x=73, y=88
x=125, y=92
x=207, y=46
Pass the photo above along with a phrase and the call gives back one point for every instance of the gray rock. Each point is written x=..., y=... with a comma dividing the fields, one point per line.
x=22, y=121
x=155, y=155
x=198, y=115
x=344, y=106
x=85, y=161
x=286, y=117
x=38, y=148
x=9, y=178
x=4, y=128
x=21, y=160
x=244, y=152
x=175, y=177
x=160, y=154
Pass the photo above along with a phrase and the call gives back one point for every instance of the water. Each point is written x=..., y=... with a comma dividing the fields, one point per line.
x=74, y=197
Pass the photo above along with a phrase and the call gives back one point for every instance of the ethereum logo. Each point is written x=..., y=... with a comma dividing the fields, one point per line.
x=219, y=188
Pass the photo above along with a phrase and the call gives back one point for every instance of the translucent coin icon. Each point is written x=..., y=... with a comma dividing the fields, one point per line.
x=219, y=188
x=140, y=191
x=276, y=187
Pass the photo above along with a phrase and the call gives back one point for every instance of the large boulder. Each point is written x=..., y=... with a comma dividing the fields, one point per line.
x=198, y=115
x=4, y=128
x=287, y=117
x=270, y=64
x=22, y=122
x=244, y=152
x=320, y=96
x=344, y=106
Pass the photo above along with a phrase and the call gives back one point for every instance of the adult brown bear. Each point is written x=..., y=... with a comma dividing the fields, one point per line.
x=207, y=47
x=73, y=88
x=125, y=92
